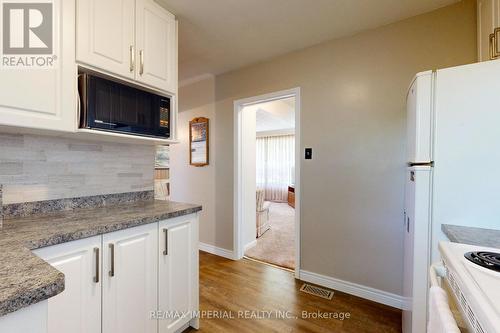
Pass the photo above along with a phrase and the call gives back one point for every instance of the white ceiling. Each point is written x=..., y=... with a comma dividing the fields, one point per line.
x=274, y=116
x=216, y=36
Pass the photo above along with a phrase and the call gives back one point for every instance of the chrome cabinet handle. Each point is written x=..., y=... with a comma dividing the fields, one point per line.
x=132, y=58
x=165, y=252
x=491, y=39
x=496, y=33
x=141, y=62
x=112, y=270
x=494, y=54
x=96, y=252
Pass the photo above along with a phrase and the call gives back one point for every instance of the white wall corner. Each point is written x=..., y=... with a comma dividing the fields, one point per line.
x=218, y=251
x=198, y=78
x=249, y=245
x=365, y=292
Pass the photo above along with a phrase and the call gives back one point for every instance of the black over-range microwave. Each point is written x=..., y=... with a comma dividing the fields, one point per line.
x=108, y=105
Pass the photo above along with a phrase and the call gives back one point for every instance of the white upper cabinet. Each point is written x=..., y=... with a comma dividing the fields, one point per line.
x=156, y=37
x=130, y=280
x=488, y=29
x=105, y=35
x=78, y=308
x=44, y=97
x=133, y=39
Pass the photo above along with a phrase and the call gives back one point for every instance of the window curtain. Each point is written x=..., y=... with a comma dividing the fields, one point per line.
x=275, y=165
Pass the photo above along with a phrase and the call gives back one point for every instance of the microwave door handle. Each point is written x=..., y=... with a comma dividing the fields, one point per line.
x=121, y=125
x=105, y=123
x=111, y=124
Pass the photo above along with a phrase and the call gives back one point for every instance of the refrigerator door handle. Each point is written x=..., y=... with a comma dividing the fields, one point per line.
x=414, y=164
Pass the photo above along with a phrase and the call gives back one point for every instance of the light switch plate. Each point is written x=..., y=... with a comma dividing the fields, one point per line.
x=308, y=154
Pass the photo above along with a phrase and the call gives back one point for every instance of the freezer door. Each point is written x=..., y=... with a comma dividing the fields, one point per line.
x=467, y=148
x=419, y=106
x=416, y=247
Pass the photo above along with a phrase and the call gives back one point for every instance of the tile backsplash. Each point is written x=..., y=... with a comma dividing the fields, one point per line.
x=34, y=168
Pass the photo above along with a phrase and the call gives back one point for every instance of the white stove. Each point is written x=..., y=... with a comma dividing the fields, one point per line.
x=475, y=283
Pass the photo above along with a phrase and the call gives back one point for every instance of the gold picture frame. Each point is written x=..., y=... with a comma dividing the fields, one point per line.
x=198, y=142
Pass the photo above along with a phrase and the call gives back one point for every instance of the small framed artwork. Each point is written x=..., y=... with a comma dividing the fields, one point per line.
x=198, y=141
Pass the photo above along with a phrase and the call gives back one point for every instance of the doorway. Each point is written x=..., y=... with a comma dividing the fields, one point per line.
x=267, y=178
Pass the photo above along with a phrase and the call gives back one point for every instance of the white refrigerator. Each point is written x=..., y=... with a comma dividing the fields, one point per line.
x=453, y=173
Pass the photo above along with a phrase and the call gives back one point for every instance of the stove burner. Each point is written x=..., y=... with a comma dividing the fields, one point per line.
x=489, y=260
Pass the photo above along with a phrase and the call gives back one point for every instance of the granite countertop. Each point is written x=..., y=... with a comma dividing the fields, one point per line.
x=472, y=236
x=26, y=279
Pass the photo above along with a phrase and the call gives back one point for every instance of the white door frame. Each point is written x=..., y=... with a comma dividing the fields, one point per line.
x=238, y=204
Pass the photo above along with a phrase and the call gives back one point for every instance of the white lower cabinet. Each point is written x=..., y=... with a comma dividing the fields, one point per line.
x=122, y=281
x=32, y=319
x=130, y=282
x=78, y=308
x=178, y=273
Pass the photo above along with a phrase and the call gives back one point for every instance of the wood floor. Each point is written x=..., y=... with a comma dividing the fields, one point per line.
x=229, y=288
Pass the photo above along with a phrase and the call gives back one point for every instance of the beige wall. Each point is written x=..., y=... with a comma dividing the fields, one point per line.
x=189, y=183
x=353, y=116
x=34, y=168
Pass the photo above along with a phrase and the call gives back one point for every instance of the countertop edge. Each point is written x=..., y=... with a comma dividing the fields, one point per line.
x=56, y=284
x=472, y=235
x=74, y=236
x=42, y=293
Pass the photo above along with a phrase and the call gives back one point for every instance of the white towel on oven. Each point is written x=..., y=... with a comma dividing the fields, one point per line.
x=441, y=319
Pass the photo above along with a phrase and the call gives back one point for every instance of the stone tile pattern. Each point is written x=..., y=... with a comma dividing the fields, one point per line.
x=1, y=205
x=472, y=236
x=26, y=279
x=39, y=168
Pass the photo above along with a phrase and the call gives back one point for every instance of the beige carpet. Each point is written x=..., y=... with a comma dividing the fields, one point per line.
x=277, y=245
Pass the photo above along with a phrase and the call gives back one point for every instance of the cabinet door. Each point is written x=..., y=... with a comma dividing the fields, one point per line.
x=105, y=35
x=32, y=319
x=130, y=276
x=488, y=18
x=178, y=272
x=416, y=247
x=44, y=98
x=78, y=308
x=156, y=37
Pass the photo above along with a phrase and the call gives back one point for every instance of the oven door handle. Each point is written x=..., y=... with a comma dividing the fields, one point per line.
x=436, y=273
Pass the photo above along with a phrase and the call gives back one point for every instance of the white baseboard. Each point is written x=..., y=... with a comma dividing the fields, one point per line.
x=249, y=245
x=218, y=251
x=365, y=292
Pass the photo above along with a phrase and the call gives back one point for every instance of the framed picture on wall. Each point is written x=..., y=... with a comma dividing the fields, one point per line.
x=198, y=141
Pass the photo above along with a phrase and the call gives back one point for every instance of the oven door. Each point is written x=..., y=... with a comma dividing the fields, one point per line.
x=116, y=107
x=440, y=319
